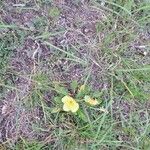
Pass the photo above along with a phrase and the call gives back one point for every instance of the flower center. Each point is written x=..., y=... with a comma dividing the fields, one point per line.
x=70, y=103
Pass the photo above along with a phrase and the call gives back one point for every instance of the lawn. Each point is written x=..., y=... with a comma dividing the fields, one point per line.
x=74, y=74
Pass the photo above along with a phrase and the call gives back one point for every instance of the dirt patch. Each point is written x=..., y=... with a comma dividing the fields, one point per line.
x=78, y=21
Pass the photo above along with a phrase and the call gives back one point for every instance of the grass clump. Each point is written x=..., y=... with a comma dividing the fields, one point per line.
x=75, y=75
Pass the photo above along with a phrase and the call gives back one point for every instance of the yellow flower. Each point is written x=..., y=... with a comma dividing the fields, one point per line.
x=70, y=104
x=91, y=101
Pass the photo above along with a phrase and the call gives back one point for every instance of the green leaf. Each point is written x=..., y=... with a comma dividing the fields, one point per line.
x=82, y=116
x=97, y=94
x=61, y=90
x=74, y=85
x=57, y=99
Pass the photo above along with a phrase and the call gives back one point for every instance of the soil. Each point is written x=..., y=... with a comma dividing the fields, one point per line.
x=31, y=55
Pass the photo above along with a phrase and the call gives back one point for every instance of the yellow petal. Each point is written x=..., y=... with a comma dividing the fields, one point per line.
x=66, y=98
x=66, y=108
x=75, y=107
x=70, y=104
x=91, y=101
x=86, y=98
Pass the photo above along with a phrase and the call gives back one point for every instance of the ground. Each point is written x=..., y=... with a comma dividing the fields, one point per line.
x=52, y=48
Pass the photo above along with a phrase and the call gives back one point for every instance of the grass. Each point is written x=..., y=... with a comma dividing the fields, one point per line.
x=110, y=62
